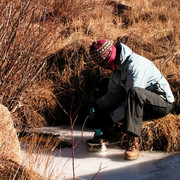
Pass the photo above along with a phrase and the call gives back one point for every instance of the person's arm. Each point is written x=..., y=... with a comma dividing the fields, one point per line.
x=113, y=95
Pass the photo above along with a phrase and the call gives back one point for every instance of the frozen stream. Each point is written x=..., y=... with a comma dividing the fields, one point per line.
x=110, y=164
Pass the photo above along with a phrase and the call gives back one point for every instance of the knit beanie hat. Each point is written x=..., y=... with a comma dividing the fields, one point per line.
x=102, y=52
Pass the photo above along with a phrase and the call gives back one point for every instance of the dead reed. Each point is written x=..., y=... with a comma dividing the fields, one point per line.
x=38, y=166
x=149, y=28
x=44, y=59
x=31, y=32
x=161, y=134
x=11, y=170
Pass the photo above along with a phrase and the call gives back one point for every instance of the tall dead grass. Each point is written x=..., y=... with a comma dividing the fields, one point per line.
x=161, y=134
x=44, y=55
x=149, y=28
x=23, y=48
x=11, y=170
x=38, y=159
x=32, y=32
x=44, y=50
x=36, y=104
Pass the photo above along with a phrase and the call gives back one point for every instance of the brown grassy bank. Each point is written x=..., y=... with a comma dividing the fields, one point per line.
x=149, y=28
x=44, y=60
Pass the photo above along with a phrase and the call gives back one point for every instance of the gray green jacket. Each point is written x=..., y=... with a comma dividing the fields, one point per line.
x=133, y=71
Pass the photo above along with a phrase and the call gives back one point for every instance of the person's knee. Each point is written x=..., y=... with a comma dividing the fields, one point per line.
x=137, y=94
x=134, y=91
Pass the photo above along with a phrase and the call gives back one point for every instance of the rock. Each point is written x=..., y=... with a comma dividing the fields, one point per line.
x=9, y=143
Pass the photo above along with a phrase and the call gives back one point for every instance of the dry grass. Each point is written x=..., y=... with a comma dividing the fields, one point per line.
x=161, y=134
x=39, y=148
x=170, y=68
x=44, y=55
x=23, y=44
x=149, y=28
x=38, y=152
x=11, y=170
x=50, y=39
x=36, y=104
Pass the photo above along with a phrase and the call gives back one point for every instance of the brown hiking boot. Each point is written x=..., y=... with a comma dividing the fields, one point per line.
x=132, y=151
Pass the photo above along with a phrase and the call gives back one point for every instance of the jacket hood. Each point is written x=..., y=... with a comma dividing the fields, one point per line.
x=125, y=51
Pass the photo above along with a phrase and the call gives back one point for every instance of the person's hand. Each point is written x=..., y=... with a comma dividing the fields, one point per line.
x=93, y=110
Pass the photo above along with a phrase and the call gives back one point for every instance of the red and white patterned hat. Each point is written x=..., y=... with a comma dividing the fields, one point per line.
x=102, y=51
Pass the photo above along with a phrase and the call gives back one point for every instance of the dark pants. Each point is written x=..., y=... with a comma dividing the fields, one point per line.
x=143, y=104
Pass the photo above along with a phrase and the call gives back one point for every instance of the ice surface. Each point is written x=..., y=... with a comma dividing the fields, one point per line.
x=108, y=165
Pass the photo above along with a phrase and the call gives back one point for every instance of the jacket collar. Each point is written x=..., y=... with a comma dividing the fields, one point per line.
x=125, y=53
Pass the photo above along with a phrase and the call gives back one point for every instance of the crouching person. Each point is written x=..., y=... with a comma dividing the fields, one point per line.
x=136, y=81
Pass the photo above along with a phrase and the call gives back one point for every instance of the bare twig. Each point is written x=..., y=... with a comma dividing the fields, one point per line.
x=97, y=174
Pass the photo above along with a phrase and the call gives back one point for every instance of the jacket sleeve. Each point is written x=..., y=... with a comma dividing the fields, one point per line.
x=113, y=95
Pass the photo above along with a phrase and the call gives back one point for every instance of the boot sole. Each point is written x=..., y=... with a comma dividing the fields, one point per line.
x=96, y=147
x=130, y=158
